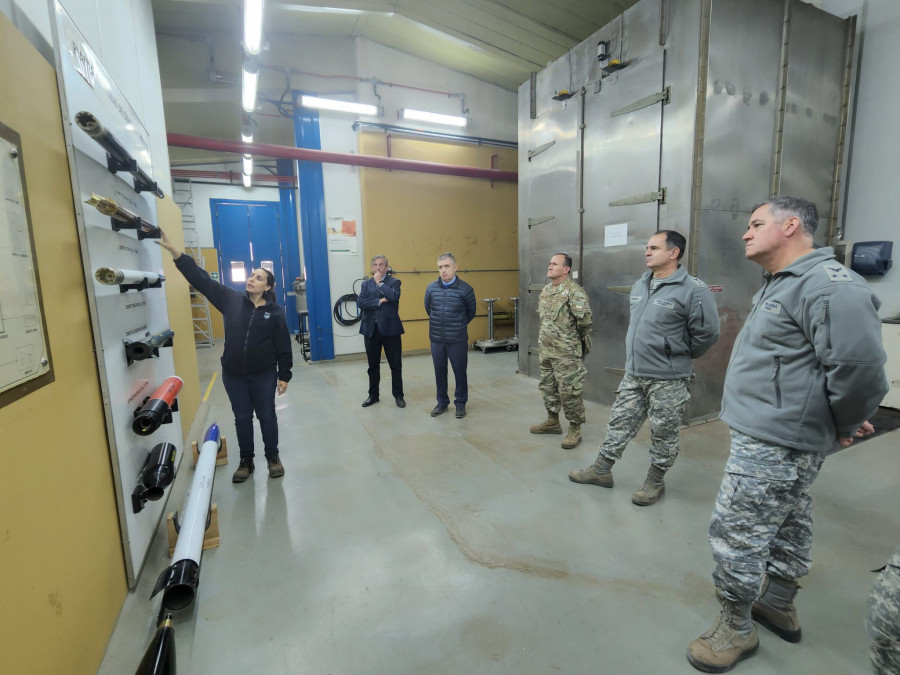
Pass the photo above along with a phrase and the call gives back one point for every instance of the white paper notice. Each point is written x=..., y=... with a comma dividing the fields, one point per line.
x=615, y=235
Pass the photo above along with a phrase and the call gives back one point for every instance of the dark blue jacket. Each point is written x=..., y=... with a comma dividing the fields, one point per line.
x=450, y=310
x=374, y=312
x=256, y=338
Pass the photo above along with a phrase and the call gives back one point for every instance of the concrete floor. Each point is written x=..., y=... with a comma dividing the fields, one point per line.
x=405, y=544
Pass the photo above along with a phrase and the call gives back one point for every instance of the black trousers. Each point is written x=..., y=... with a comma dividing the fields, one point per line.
x=248, y=395
x=458, y=355
x=392, y=346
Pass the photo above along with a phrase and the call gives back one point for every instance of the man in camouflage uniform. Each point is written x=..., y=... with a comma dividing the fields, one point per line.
x=673, y=321
x=883, y=621
x=564, y=341
x=807, y=368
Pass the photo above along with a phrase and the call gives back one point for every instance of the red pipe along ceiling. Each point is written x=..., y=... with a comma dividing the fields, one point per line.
x=304, y=154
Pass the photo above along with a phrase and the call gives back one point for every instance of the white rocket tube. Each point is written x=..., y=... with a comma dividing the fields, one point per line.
x=112, y=276
x=181, y=578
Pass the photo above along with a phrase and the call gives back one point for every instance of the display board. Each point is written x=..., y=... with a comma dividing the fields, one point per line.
x=115, y=199
x=24, y=347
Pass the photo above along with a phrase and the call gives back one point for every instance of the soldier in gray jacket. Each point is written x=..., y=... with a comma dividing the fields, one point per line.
x=673, y=321
x=807, y=368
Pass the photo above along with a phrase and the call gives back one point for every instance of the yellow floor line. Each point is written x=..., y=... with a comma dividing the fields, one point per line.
x=209, y=388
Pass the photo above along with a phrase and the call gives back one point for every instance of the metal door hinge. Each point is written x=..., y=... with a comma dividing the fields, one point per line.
x=643, y=198
x=537, y=221
x=539, y=149
x=645, y=102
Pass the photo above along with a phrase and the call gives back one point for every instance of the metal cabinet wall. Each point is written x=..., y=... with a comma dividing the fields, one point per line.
x=719, y=105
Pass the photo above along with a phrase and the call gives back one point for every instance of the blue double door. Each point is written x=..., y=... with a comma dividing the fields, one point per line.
x=249, y=235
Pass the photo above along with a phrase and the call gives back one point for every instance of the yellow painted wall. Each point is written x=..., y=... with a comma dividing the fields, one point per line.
x=62, y=573
x=414, y=217
x=178, y=301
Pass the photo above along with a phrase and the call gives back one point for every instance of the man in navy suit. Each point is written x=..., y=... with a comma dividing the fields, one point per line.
x=381, y=328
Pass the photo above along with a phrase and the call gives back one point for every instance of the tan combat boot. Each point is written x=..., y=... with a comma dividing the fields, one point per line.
x=548, y=426
x=724, y=645
x=573, y=438
x=598, y=473
x=775, y=609
x=652, y=489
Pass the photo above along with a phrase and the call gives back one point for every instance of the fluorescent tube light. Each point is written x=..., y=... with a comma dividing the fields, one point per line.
x=253, y=16
x=247, y=165
x=434, y=118
x=245, y=136
x=249, y=81
x=339, y=106
x=247, y=180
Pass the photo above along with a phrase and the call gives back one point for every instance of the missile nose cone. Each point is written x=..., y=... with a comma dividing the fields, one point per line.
x=212, y=433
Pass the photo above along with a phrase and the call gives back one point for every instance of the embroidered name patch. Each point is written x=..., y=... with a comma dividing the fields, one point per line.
x=636, y=298
x=836, y=272
x=771, y=307
x=668, y=304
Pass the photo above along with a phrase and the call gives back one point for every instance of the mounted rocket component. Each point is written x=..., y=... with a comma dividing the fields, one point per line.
x=158, y=408
x=117, y=157
x=122, y=218
x=128, y=279
x=179, y=581
x=156, y=475
x=139, y=350
x=159, y=659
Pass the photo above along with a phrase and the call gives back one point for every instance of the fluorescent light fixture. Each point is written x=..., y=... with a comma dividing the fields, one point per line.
x=379, y=9
x=253, y=16
x=246, y=135
x=339, y=106
x=434, y=118
x=247, y=180
x=247, y=165
x=249, y=81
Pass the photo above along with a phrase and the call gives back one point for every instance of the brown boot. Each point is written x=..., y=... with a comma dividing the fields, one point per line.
x=652, y=489
x=548, y=426
x=276, y=470
x=724, y=645
x=573, y=438
x=245, y=468
x=774, y=608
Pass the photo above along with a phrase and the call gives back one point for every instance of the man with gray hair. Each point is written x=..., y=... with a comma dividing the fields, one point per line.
x=381, y=328
x=806, y=370
x=673, y=321
x=450, y=305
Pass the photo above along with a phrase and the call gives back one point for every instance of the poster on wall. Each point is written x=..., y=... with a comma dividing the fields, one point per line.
x=341, y=232
x=24, y=346
x=115, y=198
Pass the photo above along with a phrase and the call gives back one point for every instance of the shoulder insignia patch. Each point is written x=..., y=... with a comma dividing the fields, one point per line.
x=836, y=272
x=699, y=282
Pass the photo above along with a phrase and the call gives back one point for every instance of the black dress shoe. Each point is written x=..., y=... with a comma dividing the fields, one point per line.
x=460, y=411
x=438, y=410
x=400, y=402
x=370, y=401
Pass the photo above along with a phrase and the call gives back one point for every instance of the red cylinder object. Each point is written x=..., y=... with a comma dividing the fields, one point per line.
x=158, y=407
x=284, y=152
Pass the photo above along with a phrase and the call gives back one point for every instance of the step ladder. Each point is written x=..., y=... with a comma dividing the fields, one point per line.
x=184, y=198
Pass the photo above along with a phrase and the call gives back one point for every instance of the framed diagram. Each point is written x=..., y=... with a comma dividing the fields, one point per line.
x=25, y=363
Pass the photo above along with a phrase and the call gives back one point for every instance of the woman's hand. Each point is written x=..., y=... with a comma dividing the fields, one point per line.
x=168, y=245
x=282, y=387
